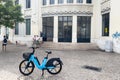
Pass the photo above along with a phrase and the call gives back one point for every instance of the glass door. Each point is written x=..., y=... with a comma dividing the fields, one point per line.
x=65, y=29
x=48, y=28
x=83, y=28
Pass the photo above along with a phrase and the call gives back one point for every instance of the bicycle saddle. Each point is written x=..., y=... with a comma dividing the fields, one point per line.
x=47, y=51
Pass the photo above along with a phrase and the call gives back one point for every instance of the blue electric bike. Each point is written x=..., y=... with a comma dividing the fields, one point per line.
x=53, y=65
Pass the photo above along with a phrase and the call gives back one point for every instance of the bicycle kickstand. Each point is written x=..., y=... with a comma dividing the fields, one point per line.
x=42, y=73
x=42, y=76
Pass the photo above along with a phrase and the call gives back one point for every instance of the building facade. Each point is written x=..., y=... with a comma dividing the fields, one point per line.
x=73, y=21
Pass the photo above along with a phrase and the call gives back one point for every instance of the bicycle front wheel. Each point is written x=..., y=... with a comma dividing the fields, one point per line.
x=26, y=67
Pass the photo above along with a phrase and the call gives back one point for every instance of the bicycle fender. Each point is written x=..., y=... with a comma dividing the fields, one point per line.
x=50, y=62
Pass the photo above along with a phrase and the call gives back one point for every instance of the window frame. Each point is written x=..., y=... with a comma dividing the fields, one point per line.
x=52, y=2
x=79, y=1
x=89, y=1
x=28, y=26
x=44, y=2
x=105, y=24
x=28, y=3
x=60, y=1
x=69, y=1
x=16, y=28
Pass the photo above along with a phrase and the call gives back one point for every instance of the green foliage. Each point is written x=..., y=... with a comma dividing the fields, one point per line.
x=9, y=14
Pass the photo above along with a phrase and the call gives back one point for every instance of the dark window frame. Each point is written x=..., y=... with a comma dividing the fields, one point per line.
x=69, y=1
x=52, y=1
x=16, y=28
x=64, y=22
x=28, y=3
x=44, y=2
x=88, y=1
x=28, y=26
x=105, y=24
x=60, y=1
x=79, y=1
x=83, y=28
x=48, y=28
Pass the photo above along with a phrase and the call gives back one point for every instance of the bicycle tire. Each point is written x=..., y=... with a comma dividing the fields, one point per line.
x=58, y=65
x=23, y=67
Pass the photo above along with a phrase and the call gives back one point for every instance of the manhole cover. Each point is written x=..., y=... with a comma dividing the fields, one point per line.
x=92, y=68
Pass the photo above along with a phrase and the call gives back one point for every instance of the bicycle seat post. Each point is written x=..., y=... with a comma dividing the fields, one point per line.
x=33, y=49
x=47, y=55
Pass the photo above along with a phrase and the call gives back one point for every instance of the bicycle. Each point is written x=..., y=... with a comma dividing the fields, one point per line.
x=53, y=65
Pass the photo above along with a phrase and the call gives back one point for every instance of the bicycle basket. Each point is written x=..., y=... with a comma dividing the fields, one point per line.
x=26, y=56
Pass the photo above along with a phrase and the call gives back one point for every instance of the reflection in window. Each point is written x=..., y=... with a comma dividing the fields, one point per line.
x=105, y=24
x=89, y=1
x=69, y=1
x=28, y=3
x=28, y=26
x=79, y=1
x=44, y=2
x=60, y=1
x=52, y=1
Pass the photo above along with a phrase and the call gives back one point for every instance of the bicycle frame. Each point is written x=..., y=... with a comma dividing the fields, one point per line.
x=42, y=65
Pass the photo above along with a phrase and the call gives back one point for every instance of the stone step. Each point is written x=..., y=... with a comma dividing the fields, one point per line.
x=69, y=46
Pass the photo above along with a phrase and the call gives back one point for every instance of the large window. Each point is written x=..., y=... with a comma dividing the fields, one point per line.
x=44, y=2
x=16, y=28
x=79, y=1
x=60, y=1
x=83, y=28
x=28, y=26
x=105, y=24
x=65, y=29
x=48, y=26
x=28, y=3
x=88, y=1
x=69, y=1
x=52, y=1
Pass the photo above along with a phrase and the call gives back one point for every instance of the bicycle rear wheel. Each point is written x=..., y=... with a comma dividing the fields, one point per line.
x=26, y=67
x=57, y=67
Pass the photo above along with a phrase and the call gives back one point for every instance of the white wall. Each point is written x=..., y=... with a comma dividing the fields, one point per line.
x=115, y=17
x=96, y=23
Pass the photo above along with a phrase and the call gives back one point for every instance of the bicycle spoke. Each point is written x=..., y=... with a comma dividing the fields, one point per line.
x=55, y=70
x=24, y=64
x=30, y=66
x=24, y=70
x=28, y=70
x=51, y=69
x=57, y=67
x=22, y=67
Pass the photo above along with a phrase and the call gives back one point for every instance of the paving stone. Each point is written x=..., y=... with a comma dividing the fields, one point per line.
x=73, y=61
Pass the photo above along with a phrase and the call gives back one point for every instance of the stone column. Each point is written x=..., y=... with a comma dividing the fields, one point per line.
x=74, y=1
x=74, y=29
x=55, y=36
x=3, y=31
x=84, y=1
x=11, y=35
x=65, y=1
x=48, y=2
x=56, y=2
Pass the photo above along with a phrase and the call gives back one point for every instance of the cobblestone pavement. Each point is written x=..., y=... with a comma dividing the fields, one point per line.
x=78, y=65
